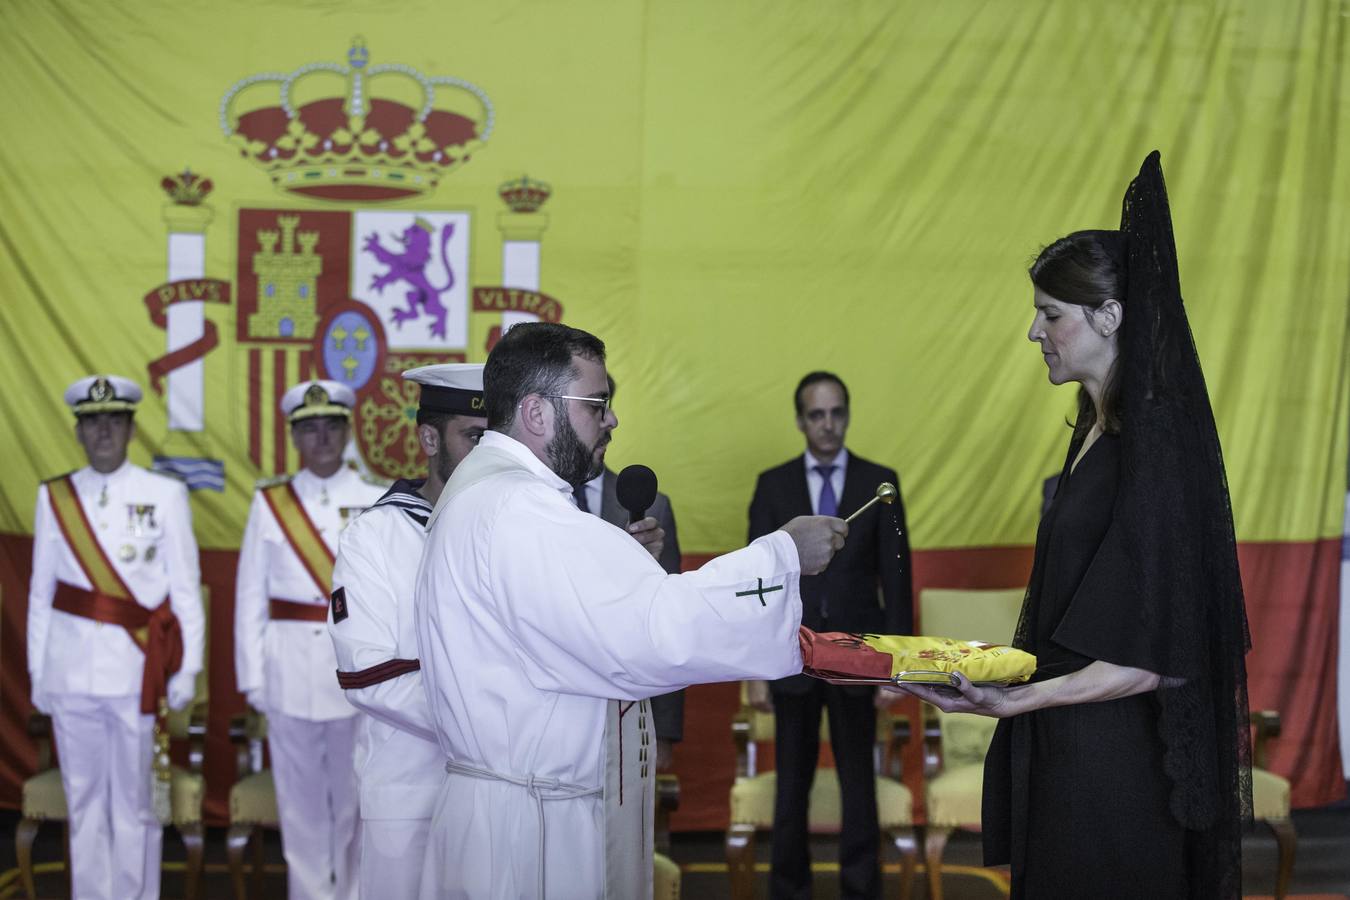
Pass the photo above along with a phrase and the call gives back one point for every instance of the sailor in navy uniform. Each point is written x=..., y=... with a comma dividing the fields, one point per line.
x=399, y=765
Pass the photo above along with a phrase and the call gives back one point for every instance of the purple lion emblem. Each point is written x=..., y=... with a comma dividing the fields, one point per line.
x=409, y=265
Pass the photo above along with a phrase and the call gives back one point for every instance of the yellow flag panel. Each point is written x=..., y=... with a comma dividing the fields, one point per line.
x=221, y=199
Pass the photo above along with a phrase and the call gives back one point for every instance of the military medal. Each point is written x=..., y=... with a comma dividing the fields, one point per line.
x=140, y=516
x=126, y=553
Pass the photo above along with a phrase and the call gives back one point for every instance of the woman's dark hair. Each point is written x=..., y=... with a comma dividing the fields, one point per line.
x=1087, y=268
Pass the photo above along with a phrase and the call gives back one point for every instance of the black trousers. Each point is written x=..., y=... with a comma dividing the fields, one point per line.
x=853, y=725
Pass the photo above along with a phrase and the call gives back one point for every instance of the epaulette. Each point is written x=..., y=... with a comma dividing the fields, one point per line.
x=263, y=484
x=169, y=473
x=59, y=477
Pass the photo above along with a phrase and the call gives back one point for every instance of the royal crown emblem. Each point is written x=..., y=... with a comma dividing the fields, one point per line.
x=356, y=132
x=524, y=195
x=187, y=188
x=101, y=390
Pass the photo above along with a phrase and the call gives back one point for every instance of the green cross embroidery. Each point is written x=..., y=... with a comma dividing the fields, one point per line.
x=760, y=592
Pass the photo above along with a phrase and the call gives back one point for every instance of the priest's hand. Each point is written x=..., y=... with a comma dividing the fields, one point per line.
x=817, y=538
x=649, y=533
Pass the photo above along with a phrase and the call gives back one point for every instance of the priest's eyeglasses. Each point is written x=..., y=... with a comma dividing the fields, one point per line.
x=602, y=402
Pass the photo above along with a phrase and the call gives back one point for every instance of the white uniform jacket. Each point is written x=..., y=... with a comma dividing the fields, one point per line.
x=292, y=662
x=398, y=764
x=144, y=525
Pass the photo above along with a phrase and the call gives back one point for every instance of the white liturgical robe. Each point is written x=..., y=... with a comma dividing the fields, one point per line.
x=531, y=617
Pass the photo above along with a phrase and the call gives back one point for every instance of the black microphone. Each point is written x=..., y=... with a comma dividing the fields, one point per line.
x=636, y=489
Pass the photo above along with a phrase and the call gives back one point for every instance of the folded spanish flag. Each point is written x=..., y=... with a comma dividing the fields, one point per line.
x=877, y=658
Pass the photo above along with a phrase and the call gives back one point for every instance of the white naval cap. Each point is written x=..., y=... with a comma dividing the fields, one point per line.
x=103, y=393
x=454, y=388
x=310, y=399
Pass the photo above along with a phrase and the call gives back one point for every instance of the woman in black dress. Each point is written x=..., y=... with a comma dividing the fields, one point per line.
x=1123, y=768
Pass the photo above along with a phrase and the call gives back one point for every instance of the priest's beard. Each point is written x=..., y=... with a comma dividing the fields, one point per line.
x=570, y=459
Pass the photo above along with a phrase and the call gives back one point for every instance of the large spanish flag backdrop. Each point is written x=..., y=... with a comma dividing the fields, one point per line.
x=219, y=199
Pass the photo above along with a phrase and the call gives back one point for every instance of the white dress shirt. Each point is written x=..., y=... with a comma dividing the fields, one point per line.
x=595, y=494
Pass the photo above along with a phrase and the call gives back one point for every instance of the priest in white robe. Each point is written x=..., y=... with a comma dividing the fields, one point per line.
x=540, y=627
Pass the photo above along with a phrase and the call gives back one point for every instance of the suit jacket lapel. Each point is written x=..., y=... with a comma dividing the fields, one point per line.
x=857, y=489
x=800, y=493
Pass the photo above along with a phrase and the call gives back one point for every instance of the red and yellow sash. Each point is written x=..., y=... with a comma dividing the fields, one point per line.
x=83, y=542
x=155, y=631
x=302, y=534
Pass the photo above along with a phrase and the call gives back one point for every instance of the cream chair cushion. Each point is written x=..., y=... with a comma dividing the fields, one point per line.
x=44, y=798
x=955, y=795
x=253, y=800
x=752, y=802
x=665, y=878
x=965, y=738
x=1270, y=795
x=188, y=789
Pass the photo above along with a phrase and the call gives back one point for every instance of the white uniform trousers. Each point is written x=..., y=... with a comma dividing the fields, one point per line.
x=104, y=745
x=314, y=769
x=392, y=853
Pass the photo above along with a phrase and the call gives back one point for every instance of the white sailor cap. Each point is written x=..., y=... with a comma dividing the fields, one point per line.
x=454, y=388
x=311, y=399
x=103, y=393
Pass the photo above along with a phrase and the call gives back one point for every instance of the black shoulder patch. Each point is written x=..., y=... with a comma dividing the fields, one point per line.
x=339, y=599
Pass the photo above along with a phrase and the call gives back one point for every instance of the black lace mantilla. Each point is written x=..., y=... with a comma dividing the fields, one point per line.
x=1172, y=509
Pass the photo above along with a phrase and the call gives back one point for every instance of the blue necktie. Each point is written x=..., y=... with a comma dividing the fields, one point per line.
x=579, y=495
x=828, y=505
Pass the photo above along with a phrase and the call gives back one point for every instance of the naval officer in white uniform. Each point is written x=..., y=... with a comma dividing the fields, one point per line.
x=284, y=660
x=398, y=765
x=114, y=607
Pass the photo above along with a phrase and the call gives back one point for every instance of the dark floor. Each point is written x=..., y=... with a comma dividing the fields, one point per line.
x=1322, y=866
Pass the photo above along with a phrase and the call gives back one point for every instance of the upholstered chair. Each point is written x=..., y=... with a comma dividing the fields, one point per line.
x=752, y=796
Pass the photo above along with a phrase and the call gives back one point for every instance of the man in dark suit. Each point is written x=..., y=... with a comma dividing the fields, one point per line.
x=598, y=496
x=865, y=589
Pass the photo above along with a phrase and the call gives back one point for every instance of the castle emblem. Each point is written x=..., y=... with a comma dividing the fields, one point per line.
x=287, y=271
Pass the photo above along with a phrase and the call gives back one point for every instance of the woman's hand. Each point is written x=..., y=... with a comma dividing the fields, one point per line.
x=967, y=698
x=1093, y=683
